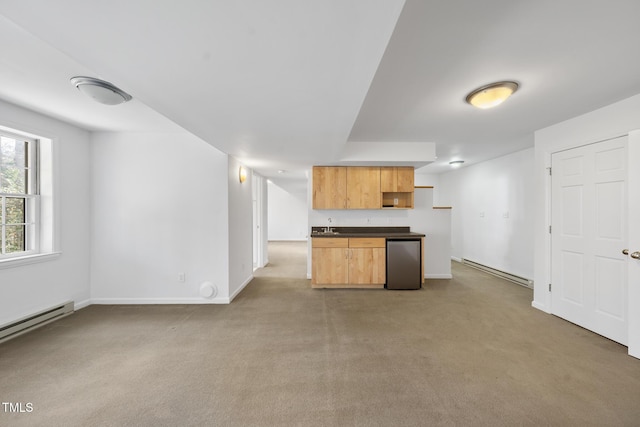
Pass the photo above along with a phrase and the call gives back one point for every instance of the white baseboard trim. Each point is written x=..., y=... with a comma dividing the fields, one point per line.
x=244, y=284
x=540, y=307
x=438, y=276
x=160, y=301
x=148, y=301
x=456, y=259
x=82, y=304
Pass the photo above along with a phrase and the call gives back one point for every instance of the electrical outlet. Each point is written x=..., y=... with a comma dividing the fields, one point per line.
x=481, y=214
x=181, y=277
x=505, y=215
x=395, y=201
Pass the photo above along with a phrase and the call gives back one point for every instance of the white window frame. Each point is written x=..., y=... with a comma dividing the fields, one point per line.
x=40, y=214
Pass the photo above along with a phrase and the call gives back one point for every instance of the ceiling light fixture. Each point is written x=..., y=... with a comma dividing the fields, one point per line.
x=101, y=91
x=456, y=163
x=492, y=94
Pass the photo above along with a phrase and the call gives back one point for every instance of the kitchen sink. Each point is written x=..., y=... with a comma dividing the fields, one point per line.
x=325, y=233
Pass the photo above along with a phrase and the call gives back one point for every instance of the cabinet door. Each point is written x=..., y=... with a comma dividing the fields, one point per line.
x=329, y=187
x=388, y=179
x=405, y=179
x=367, y=266
x=329, y=266
x=397, y=179
x=363, y=188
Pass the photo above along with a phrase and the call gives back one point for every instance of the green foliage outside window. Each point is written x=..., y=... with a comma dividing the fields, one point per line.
x=13, y=189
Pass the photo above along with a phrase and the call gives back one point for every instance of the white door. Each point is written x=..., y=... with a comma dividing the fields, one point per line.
x=633, y=264
x=589, y=232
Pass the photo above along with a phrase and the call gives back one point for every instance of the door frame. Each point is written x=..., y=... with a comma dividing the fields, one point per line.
x=601, y=324
x=542, y=298
x=633, y=229
x=260, y=256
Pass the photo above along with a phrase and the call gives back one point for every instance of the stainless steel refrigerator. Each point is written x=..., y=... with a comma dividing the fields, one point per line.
x=404, y=264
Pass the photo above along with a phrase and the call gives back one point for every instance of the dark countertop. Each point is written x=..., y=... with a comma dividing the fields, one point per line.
x=386, y=232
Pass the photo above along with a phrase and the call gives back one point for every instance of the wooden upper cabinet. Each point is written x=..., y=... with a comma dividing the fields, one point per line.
x=396, y=179
x=388, y=179
x=397, y=186
x=329, y=187
x=405, y=179
x=363, y=188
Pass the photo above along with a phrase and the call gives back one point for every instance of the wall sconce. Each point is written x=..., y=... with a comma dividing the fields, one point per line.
x=242, y=174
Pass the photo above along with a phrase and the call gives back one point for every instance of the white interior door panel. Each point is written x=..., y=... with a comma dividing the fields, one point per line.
x=589, y=231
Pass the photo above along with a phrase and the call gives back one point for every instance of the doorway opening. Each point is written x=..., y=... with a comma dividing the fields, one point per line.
x=281, y=219
x=287, y=260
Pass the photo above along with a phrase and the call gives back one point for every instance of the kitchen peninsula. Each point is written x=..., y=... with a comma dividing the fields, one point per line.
x=356, y=257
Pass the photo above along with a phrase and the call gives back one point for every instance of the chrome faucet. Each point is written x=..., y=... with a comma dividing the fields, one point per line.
x=328, y=228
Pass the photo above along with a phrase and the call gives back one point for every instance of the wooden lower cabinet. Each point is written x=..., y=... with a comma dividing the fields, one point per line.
x=329, y=266
x=348, y=262
x=367, y=266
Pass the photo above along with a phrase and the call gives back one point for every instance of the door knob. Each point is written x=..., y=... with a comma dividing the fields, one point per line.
x=635, y=255
x=625, y=252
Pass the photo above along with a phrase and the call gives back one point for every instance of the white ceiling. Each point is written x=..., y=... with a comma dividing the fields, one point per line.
x=569, y=56
x=36, y=76
x=285, y=84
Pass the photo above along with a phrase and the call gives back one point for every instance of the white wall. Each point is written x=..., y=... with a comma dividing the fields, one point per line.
x=159, y=209
x=29, y=288
x=451, y=194
x=287, y=214
x=492, y=218
x=434, y=223
x=240, y=229
x=432, y=180
x=608, y=122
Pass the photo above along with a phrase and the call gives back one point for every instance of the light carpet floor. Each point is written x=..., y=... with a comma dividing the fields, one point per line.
x=470, y=351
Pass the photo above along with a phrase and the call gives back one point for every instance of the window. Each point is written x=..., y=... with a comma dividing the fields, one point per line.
x=19, y=198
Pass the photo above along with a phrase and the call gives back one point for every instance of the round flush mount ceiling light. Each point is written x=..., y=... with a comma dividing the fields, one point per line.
x=456, y=163
x=492, y=94
x=101, y=91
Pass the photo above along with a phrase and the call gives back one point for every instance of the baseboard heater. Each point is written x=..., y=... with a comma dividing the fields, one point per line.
x=503, y=274
x=35, y=320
